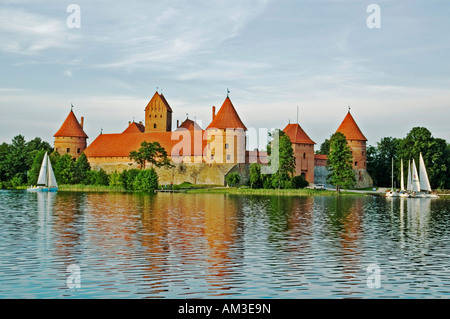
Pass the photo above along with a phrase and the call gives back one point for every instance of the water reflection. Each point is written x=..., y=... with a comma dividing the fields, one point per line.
x=214, y=245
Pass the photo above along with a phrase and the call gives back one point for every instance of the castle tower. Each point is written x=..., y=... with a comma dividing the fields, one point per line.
x=303, y=148
x=70, y=138
x=226, y=135
x=357, y=143
x=355, y=139
x=158, y=115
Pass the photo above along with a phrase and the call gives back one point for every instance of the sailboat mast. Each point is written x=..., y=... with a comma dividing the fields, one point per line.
x=392, y=175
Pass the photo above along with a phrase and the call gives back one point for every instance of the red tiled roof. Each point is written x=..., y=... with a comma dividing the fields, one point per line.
x=350, y=129
x=297, y=135
x=71, y=127
x=135, y=128
x=227, y=117
x=320, y=156
x=120, y=145
x=189, y=125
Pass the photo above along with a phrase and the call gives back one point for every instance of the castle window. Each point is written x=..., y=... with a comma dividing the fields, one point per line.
x=304, y=155
x=68, y=150
x=161, y=116
x=78, y=150
x=154, y=125
x=212, y=156
x=228, y=157
x=226, y=146
x=356, y=163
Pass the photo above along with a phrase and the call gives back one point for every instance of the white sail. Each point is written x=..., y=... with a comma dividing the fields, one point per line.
x=415, y=178
x=51, y=176
x=424, y=182
x=402, y=182
x=42, y=179
x=409, y=180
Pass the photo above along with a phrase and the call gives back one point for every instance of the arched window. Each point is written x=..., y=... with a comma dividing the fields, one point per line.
x=304, y=155
x=154, y=125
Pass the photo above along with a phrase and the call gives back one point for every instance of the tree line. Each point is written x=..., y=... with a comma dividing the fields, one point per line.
x=20, y=163
x=435, y=151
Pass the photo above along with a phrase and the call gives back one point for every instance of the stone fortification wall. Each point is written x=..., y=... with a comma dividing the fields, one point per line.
x=195, y=173
x=363, y=179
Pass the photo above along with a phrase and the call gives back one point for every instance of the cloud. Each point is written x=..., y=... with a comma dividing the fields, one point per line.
x=68, y=73
x=27, y=33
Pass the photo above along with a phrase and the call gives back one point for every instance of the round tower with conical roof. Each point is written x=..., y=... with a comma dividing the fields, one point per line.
x=70, y=138
x=357, y=143
x=226, y=136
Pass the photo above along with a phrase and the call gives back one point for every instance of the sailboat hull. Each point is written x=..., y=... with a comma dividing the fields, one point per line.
x=42, y=189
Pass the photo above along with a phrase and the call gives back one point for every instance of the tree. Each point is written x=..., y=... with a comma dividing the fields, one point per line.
x=285, y=161
x=151, y=152
x=127, y=178
x=64, y=169
x=233, y=179
x=420, y=140
x=379, y=161
x=324, y=148
x=340, y=163
x=146, y=180
x=82, y=167
x=17, y=158
x=255, y=179
x=299, y=181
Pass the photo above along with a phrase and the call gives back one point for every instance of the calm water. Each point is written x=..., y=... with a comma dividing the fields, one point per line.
x=221, y=246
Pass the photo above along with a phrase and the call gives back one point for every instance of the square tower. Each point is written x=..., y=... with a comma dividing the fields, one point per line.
x=158, y=115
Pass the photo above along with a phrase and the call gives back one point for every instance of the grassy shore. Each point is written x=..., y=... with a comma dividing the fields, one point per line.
x=90, y=188
x=284, y=192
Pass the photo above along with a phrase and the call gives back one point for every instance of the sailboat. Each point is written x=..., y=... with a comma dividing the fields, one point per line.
x=46, y=180
x=415, y=180
x=392, y=192
x=403, y=192
x=424, y=183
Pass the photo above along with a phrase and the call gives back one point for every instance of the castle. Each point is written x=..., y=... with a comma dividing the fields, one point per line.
x=202, y=156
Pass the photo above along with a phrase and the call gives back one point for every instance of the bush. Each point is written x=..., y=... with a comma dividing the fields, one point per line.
x=146, y=180
x=127, y=178
x=299, y=182
x=233, y=179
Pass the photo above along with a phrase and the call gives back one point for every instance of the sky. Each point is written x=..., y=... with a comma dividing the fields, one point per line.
x=275, y=57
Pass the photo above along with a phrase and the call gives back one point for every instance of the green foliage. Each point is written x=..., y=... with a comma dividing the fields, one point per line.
x=127, y=178
x=64, y=169
x=299, y=182
x=420, y=140
x=435, y=152
x=151, y=152
x=114, y=179
x=324, y=148
x=340, y=163
x=233, y=179
x=255, y=178
x=146, y=180
x=99, y=177
x=379, y=161
x=285, y=161
x=17, y=158
x=82, y=167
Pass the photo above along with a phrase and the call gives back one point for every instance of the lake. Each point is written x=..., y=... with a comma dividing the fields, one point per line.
x=125, y=245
